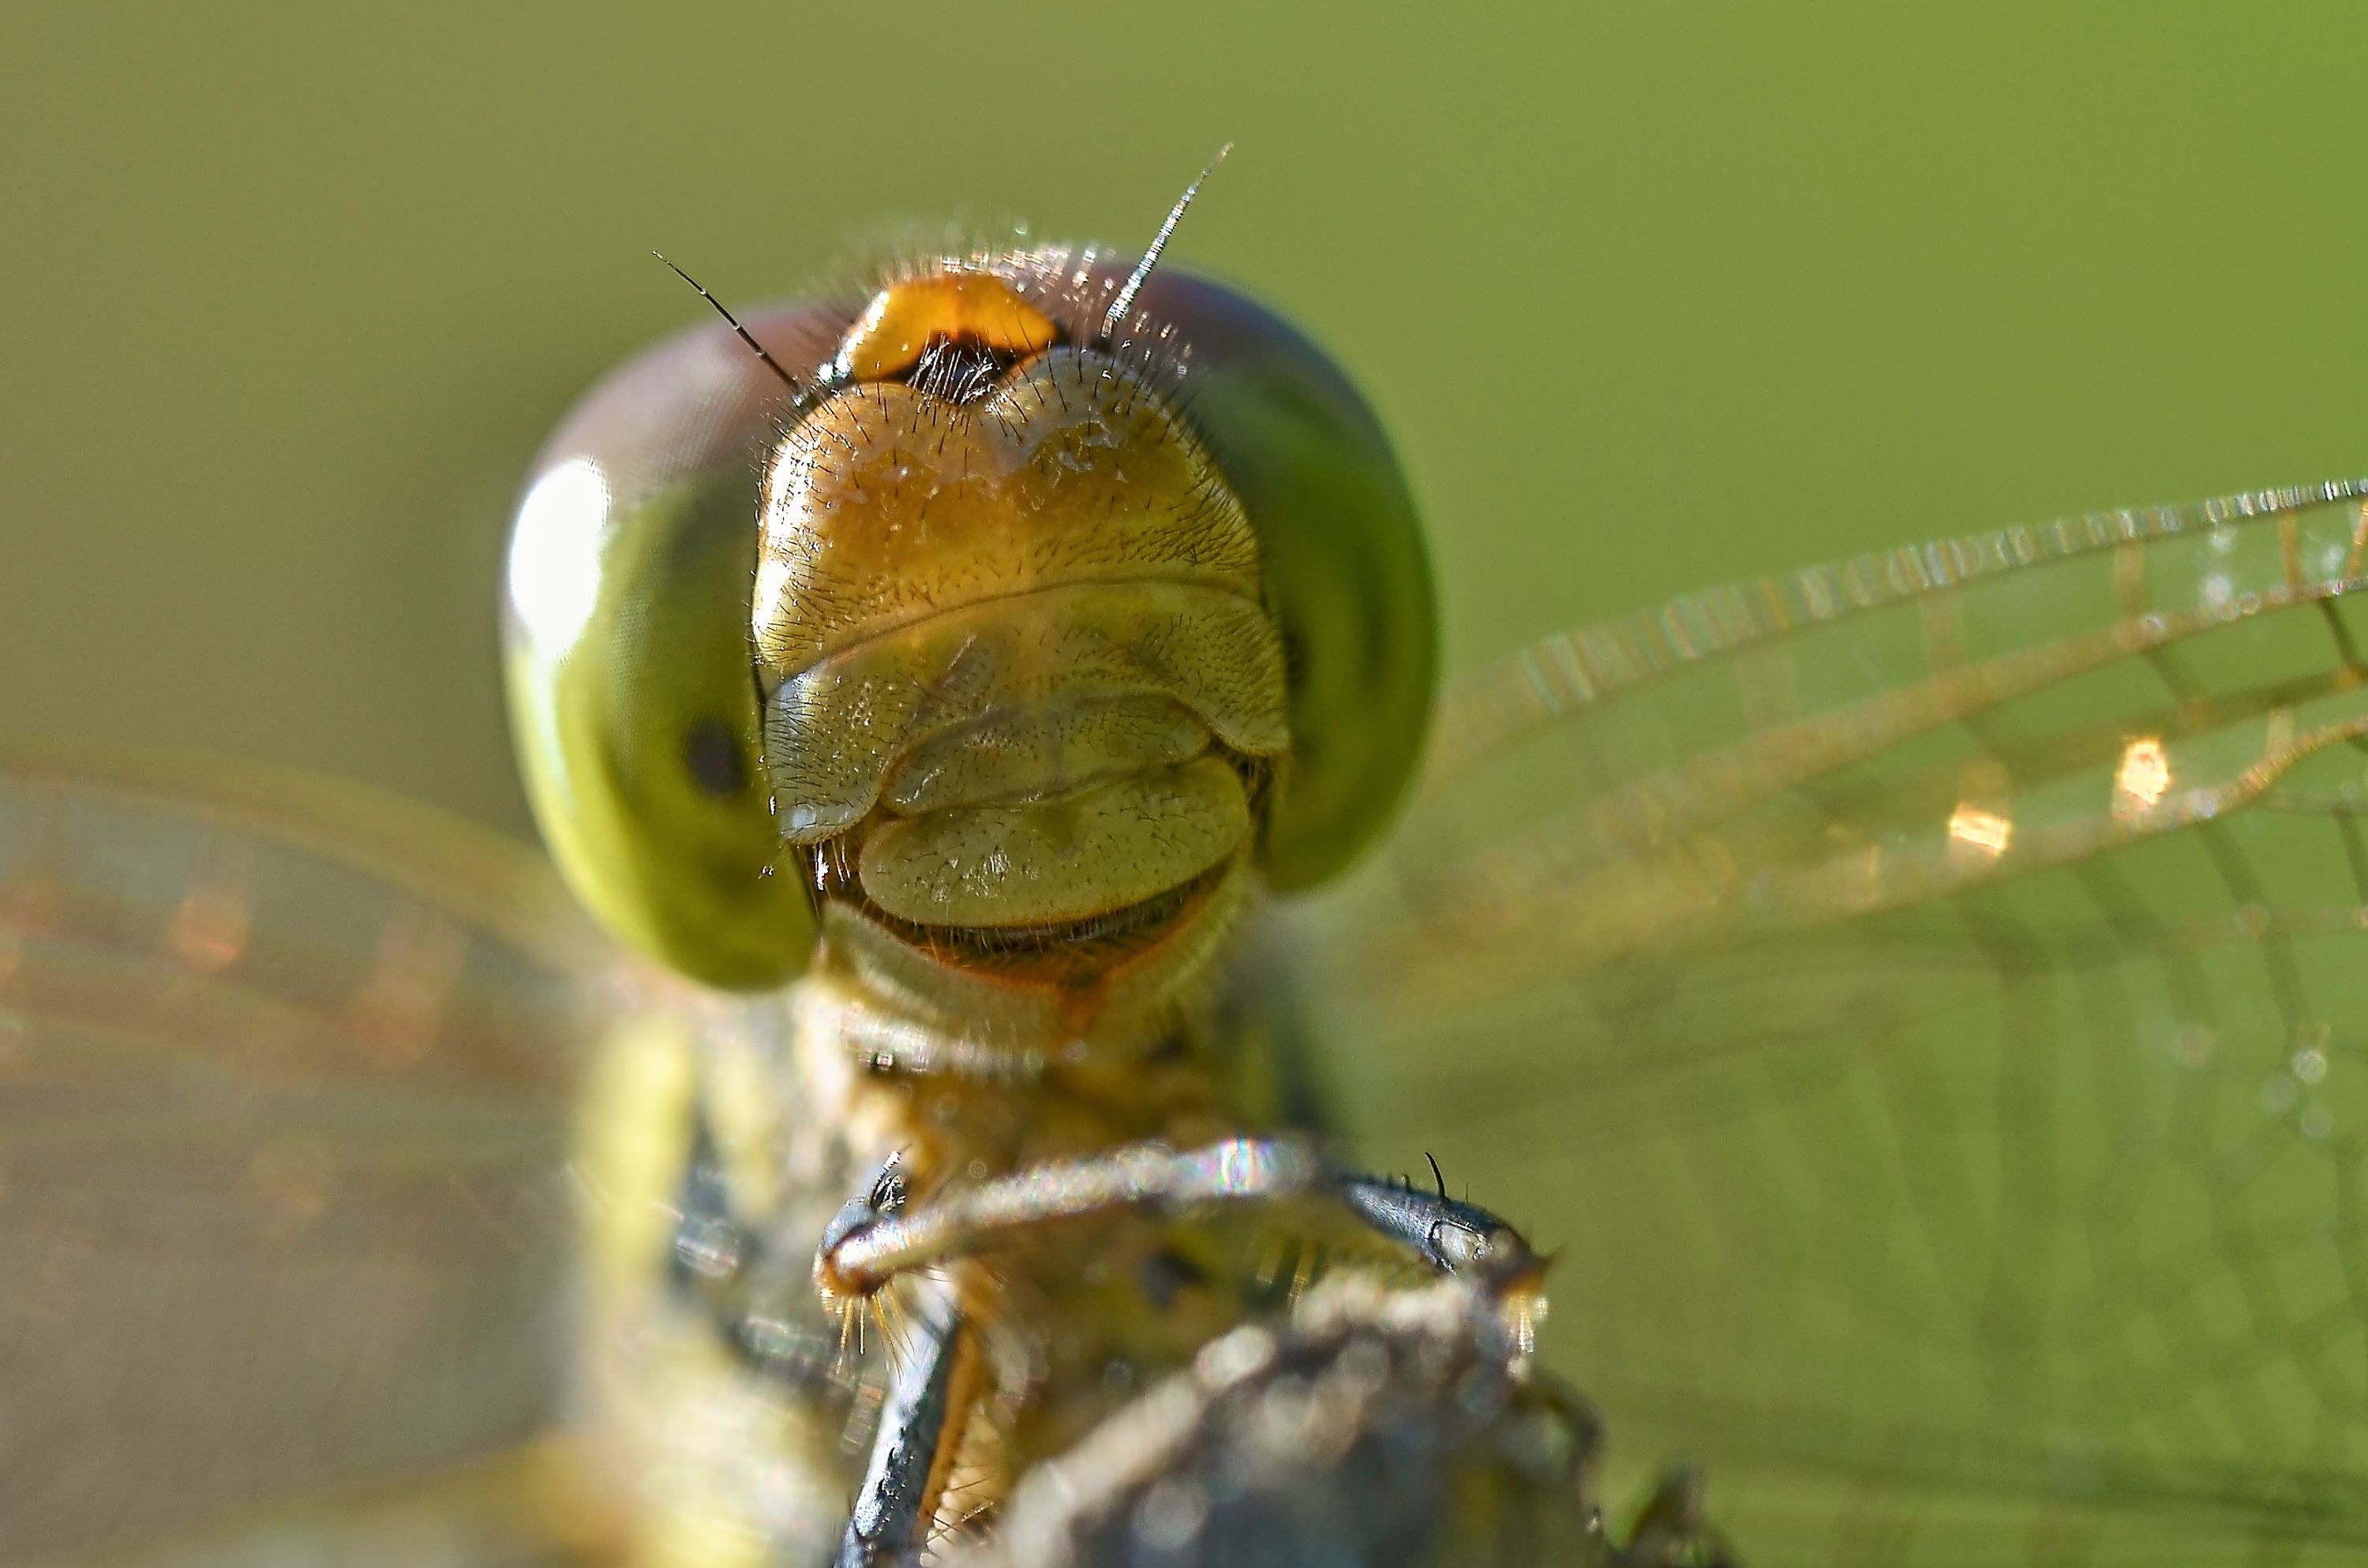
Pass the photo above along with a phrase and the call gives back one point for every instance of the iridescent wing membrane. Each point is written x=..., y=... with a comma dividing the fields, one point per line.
x=1926, y=1002
x=283, y=1127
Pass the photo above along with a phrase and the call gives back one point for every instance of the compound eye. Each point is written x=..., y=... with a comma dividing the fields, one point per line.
x=631, y=683
x=1347, y=573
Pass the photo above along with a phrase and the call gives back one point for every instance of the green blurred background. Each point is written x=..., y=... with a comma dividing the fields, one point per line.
x=1652, y=295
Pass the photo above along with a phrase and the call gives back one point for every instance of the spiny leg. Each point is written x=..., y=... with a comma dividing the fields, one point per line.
x=863, y=1251
x=880, y=1236
x=1456, y=1238
x=905, y=1476
x=872, y=1242
x=714, y=1251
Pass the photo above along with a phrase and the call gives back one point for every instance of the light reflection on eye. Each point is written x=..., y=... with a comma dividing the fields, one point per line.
x=2142, y=779
x=1985, y=834
x=554, y=570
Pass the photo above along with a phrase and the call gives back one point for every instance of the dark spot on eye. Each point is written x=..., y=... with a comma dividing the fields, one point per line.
x=713, y=753
x=1165, y=1273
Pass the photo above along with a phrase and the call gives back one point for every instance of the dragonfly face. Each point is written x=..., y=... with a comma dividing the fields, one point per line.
x=1923, y=996
x=998, y=563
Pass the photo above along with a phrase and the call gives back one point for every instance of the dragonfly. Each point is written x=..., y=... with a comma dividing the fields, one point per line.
x=1012, y=847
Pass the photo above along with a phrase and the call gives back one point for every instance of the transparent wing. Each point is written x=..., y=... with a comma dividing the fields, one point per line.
x=283, y=1133
x=1927, y=1002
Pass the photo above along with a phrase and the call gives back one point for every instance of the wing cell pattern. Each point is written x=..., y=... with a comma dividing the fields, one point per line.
x=1927, y=1001
x=283, y=1141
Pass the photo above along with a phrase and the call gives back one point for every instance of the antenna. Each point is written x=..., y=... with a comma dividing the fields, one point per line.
x=1126, y=300
x=771, y=363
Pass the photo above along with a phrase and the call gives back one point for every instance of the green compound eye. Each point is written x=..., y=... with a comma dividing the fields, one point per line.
x=1347, y=573
x=633, y=696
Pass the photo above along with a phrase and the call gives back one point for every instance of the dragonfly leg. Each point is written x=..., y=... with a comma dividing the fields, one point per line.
x=715, y=1252
x=883, y=1235
x=878, y=1236
x=889, y=1522
x=1456, y=1238
x=872, y=1242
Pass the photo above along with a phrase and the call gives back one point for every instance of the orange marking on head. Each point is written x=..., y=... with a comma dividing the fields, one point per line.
x=905, y=318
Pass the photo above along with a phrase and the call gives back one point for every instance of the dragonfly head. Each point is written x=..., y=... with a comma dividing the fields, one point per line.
x=1050, y=619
